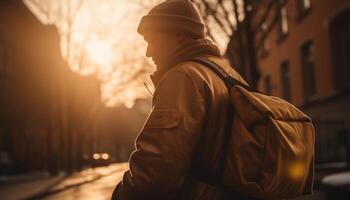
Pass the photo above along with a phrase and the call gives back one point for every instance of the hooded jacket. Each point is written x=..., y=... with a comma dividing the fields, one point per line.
x=185, y=128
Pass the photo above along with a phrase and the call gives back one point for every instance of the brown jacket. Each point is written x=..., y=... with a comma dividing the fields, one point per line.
x=184, y=129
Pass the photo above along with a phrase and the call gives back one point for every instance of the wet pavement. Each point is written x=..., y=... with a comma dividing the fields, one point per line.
x=90, y=183
x=100, y=189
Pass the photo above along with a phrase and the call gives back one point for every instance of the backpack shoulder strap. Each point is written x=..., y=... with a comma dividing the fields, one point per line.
x=227, y=78
x=217, y=180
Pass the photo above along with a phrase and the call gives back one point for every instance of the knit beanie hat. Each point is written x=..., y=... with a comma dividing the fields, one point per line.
x=178, y=16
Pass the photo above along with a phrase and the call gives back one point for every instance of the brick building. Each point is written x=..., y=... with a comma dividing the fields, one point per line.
x=303, y=55
x=43, y=105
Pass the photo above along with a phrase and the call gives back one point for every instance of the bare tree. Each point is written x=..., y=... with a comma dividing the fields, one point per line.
x=43, y=7
x=235, y=21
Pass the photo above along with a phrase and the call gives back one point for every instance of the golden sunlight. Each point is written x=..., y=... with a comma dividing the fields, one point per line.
x=100, y=52
x=100, y=37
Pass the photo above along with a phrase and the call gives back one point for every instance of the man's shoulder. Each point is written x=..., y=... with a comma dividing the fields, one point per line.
x=197, y=70
x=193, y=69
x=199, y=75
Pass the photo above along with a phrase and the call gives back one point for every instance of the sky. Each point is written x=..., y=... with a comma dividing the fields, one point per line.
x=99, y=37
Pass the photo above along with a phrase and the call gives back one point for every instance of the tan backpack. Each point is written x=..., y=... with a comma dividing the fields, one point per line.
x=269, y=150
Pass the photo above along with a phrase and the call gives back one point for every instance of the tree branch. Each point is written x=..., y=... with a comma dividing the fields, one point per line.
x=40, y=8
x=265, y=16
x=205, y=19
x=213, y=13
x=270, y=27
x=232, y=27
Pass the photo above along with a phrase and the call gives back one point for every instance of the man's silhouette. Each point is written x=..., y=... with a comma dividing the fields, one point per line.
x=184, y=132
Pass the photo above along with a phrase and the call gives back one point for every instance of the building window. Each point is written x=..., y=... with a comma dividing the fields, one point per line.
x=286, y=80
x=340, y=47
x=268, y=85
x=303, y=8
x=283, y=23
x=304, y=5
x=264, y=48
x=308, y=69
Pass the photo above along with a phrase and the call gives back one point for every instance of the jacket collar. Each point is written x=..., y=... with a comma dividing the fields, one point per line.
x=189, y=50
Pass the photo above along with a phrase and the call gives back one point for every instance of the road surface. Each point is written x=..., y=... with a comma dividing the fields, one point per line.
x=100, y=189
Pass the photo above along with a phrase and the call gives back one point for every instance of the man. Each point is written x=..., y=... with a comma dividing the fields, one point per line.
x=184, y=132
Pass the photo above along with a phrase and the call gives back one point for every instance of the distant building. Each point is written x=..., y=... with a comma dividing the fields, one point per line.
x=44, y=107
x=305, y=59
x=118, y=127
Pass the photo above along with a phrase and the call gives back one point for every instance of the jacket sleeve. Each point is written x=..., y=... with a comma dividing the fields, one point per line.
x=165, y=146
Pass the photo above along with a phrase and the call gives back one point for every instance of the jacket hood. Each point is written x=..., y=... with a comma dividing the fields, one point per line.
x=195, y=48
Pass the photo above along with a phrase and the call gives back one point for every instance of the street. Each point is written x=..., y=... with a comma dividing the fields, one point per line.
x=98, y=190
x=102, y=189
x=91, y=183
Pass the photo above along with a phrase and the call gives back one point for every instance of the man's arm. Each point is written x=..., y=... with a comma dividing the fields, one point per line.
x=164, y=148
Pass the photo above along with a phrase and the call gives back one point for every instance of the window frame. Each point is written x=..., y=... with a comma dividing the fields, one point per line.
x=286, y=83
x=339, y=68
x=308, y=74
x=268, y=84
x=302, y=9
x=283, y=26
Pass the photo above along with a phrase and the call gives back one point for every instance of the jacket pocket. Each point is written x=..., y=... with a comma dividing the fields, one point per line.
x=163, y=118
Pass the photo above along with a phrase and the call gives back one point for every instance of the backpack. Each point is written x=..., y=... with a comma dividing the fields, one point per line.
x=269, y=144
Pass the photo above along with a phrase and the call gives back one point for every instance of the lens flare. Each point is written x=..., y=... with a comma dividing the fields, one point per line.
x=296, y=170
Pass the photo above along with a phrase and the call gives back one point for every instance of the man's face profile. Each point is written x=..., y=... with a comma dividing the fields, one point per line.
x=160, y=46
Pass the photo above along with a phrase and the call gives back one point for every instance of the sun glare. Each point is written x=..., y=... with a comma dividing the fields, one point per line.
x=102, y=40
x=99, y=52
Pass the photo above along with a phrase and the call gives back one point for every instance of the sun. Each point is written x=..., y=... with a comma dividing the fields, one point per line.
x=100, y=52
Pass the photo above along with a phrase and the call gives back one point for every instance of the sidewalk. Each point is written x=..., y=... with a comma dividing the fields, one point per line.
x=44, y=185
x=34, y=189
